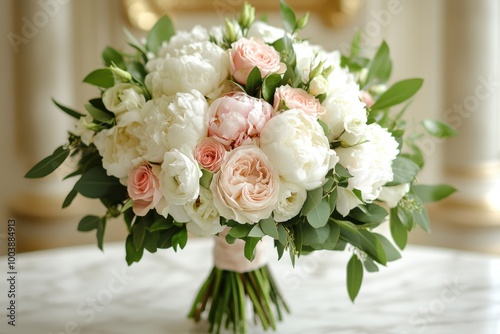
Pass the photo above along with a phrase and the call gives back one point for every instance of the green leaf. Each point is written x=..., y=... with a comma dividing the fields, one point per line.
x=134, y=41
x=69, y=199
x=48, y=164
x=271, y=81
x=370, y=265
x=369, y=213
x=313, y=199
x=180, y=239
x=318, y=217
x=333, y=237
x=159, y=33
x=99, y=115
x=363, y=240
x=404, y=171
x=88, y=223
x=438, y=129
x=138, y=232
x=269, y=227
x=101, y=78
x=95, y=183
x=256, y=232
x=206, y=178
x=288, y=17
x=398, y=230
x=250, y=244
x=132, y=254
x=433, y=193
x=420, y=216
x=354, y=276
x=355, y=45
x=101, y=227
x=254, y=81
x=240, y=231
x=282, y=234
x=112, y=56
x=391, y=251
x=69, y=111
x=137, y=70
x=380, y=67
x=161, y=223
x=151, y=241
x=398, y=93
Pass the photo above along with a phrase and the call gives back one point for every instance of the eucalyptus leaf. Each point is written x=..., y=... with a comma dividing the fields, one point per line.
x=354, y=276
x=438, y=129
x=48, y=164
x=249, y=250
x=256, y=232
x=399, y=232
x=240, y=230
x=287, y=17
x=315, y=236
x=312, y=200
x=398, y=93
x=318, y=217
x=101, y=228
x=69, y=198
x=390, y=251
x=101, y=78
x=159, y=33
x=404, y=171
x=269, y=227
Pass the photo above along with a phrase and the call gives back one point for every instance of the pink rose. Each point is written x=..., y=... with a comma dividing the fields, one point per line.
x=209, y=153
x=297, y=98
x=237, y=119
x=245, y=54
x=367, y=98
x=246, y=188
x=144, y=188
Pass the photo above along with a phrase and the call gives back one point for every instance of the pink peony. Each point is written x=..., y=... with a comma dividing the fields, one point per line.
x=297, y=98
x=209, y=153
x=237, y=119
x=246, y=188
x=144, y=188
x=245, y=54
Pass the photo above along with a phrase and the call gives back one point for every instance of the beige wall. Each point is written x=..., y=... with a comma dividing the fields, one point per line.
x=68, y=46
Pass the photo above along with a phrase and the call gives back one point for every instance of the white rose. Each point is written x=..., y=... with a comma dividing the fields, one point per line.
x=123, y=97
x=264, y=31
x=179, y=177
x=171, y=122
x=290, y=201
x=370, y=163
x=202, y=66
x=296, y=144
x=392, y=195
x=205, y=219
x=306, y=59
x=343, y=99
x=118, y=148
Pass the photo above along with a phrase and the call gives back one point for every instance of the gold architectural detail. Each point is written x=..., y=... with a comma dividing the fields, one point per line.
x=144, y=13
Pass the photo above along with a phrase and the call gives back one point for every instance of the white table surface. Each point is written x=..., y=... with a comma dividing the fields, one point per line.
x=82, y=290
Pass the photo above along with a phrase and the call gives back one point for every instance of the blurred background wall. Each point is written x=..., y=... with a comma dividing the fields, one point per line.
x=48, y=46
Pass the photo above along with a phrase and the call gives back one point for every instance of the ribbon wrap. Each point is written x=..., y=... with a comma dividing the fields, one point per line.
x=232, y=256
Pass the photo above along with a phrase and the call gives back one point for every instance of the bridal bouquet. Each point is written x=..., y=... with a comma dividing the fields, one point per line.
x=247, y=132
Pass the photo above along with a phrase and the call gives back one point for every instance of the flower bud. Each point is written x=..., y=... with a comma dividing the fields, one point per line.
x=319, y=85
x=120, y=74
x=230, y=35
x=247, y=16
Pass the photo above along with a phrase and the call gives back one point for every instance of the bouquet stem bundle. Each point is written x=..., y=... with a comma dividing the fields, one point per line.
x=226, y=294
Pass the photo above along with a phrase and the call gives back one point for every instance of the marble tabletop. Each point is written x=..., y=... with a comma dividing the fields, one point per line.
x=83, y=290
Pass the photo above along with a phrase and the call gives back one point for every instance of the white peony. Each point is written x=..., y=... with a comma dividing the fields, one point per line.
x=118, y=147
x=123, y=97
x=343, y=100
x=183, y=38
x=370, y=163
x=392, y=195
x=202, y=65
x=179, y=177
x=290, y=201
x=296, y=144
x=354, y=131
x=346, y=201
x=171, y=122
x=205, y=219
